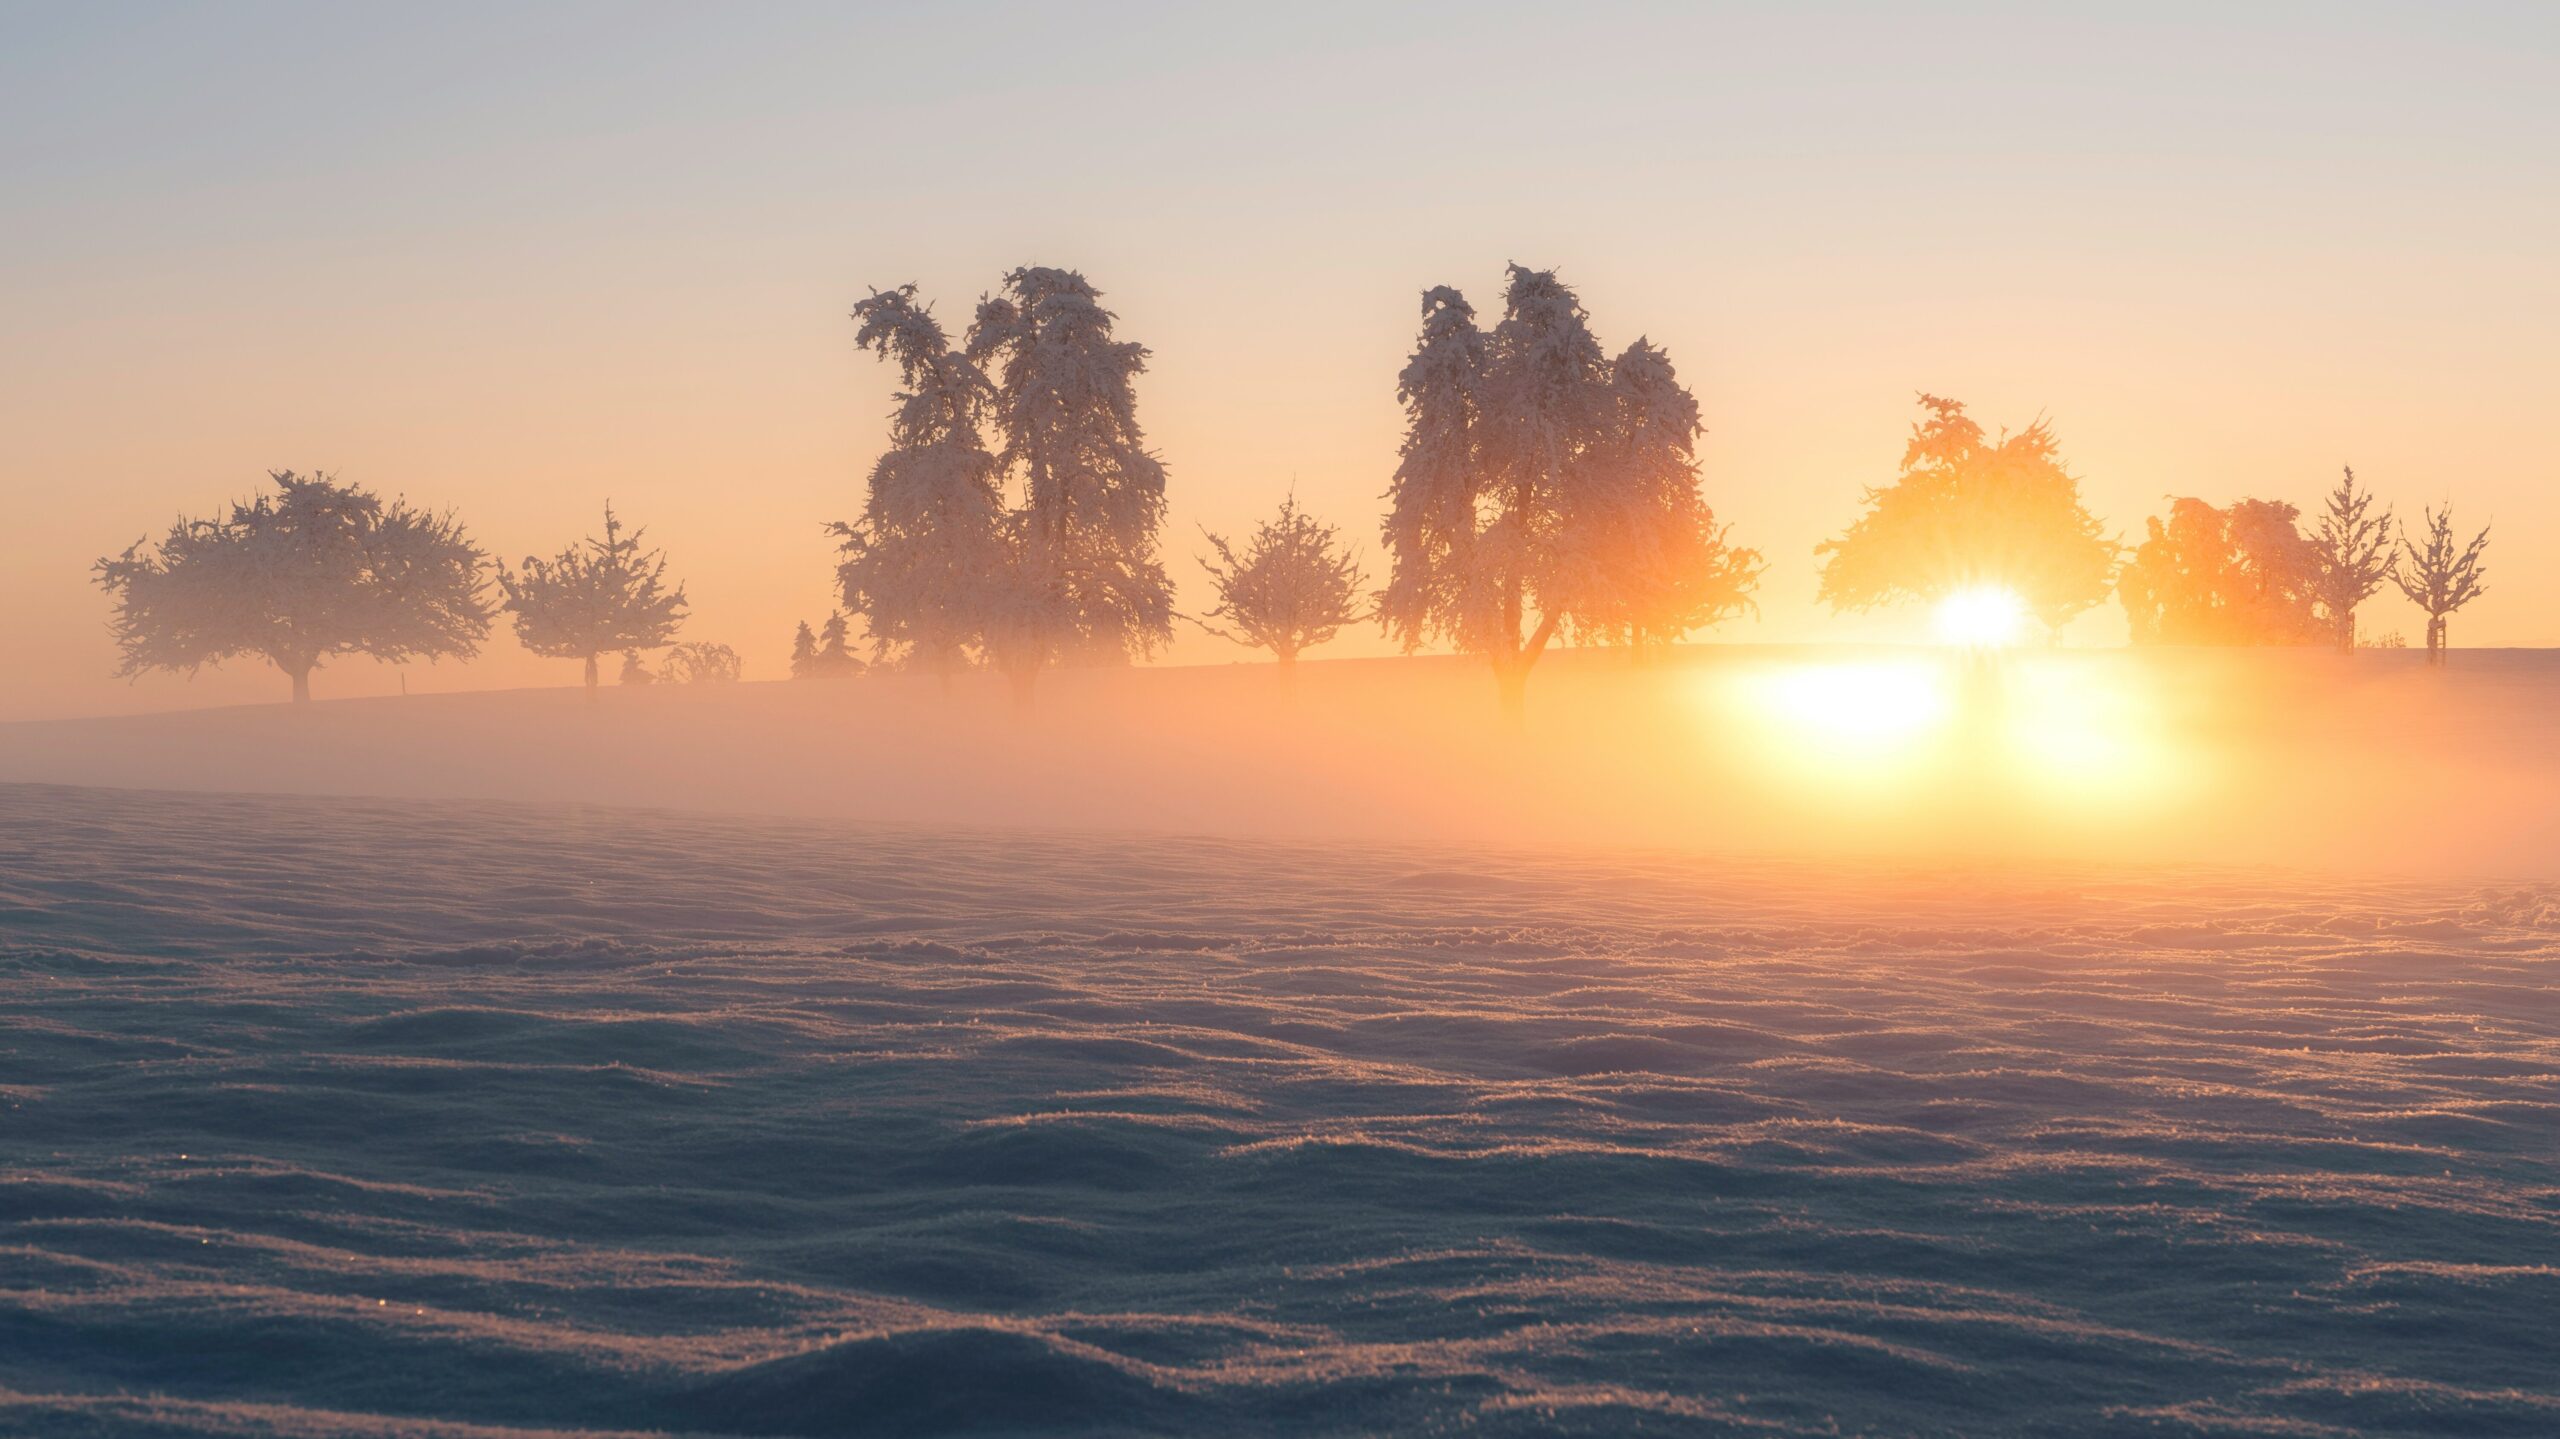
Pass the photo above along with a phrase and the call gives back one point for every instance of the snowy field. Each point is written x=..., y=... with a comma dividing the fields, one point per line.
x=325, y=1115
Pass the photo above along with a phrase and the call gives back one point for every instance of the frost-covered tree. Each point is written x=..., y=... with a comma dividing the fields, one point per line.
x=2437, y=577
x=1088, y=584
x=2355, y=556
x=1969, y=510
x=835, y=658
x=1294, y=587
x=595, y=597
x=702, y=664
x=1644, y=559
x=1542, y=485
x=804, y=651
x=1436, y=589
x=925, y=562
x=2242, y=574
x=316, y=570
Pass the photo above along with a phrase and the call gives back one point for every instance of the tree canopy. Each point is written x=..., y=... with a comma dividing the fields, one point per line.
x=315, y=570
x=1543, y=486
x=2238, y=575
x=1969, y=510
x=594, y=597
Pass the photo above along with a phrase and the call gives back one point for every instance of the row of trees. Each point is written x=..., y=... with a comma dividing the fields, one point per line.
x=1545, y=489
x=1969, y=509
x=2246, y=573
x=321, y=569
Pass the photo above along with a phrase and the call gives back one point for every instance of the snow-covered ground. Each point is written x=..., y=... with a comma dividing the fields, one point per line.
x=329, y=1115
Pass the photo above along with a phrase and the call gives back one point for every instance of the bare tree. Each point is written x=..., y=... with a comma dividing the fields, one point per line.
x=2437, y=578
x=702, y=664
x=594, y=597
x=1294, y=587
x=316, y=570
x=2355, y=556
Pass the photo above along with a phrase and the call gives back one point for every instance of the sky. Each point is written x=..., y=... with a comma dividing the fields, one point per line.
x=517, y=260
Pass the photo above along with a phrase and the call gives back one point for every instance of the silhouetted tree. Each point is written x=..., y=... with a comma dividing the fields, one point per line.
x=1087, y=584
x=316, y=570
x=834, y=660
x=594, y=597
x=2355, y=556
x=702, y=664
x=2438, y=578
x=804, y=652
x=634, y=672
x=2241, y=575
x=1294, y=587
x=1542, y=486
x=931, y=554
x=1966, y=511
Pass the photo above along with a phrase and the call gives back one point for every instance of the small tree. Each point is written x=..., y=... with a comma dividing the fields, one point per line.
x=2355, y=556
x=834, y=659
x=594, y=597
x=2437, y=578
x=804, y=652
x=1972, y=510
x=633, y=671
x=1294, y=587
x=702, y=664
x=316, y=570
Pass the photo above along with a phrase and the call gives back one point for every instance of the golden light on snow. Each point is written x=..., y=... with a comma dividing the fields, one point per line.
x=1980, y=617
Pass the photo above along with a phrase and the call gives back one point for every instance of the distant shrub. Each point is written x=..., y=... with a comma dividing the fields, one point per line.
x=2387, y=640
x=701, y=664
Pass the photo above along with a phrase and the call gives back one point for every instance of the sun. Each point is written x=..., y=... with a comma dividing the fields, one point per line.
x=1981, y=617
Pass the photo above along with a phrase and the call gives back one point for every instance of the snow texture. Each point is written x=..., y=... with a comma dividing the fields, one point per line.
x=334, y=1116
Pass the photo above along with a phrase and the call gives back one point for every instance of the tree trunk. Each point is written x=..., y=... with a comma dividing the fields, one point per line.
x=2435, y=640
x=301, y=685
x=591, y=679
x=2347, y=632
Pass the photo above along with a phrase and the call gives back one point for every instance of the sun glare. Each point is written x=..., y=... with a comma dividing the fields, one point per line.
x=1984, y=617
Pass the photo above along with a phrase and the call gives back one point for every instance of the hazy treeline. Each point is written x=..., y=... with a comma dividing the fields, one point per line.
x=1546, y=490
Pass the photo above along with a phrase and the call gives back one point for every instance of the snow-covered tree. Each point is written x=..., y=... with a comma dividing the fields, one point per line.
x=918, y=564
x=804, y=651
x=1294, y=587
x=594, y=597
x=316, y=570
x=835, y=659
x=1644, y=560
x=1542, y=485
x=2438, y=578
x=1436, y=589
x=702, y=664
x=1088, y=584
x=2355, y=556
x=1970, y=511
